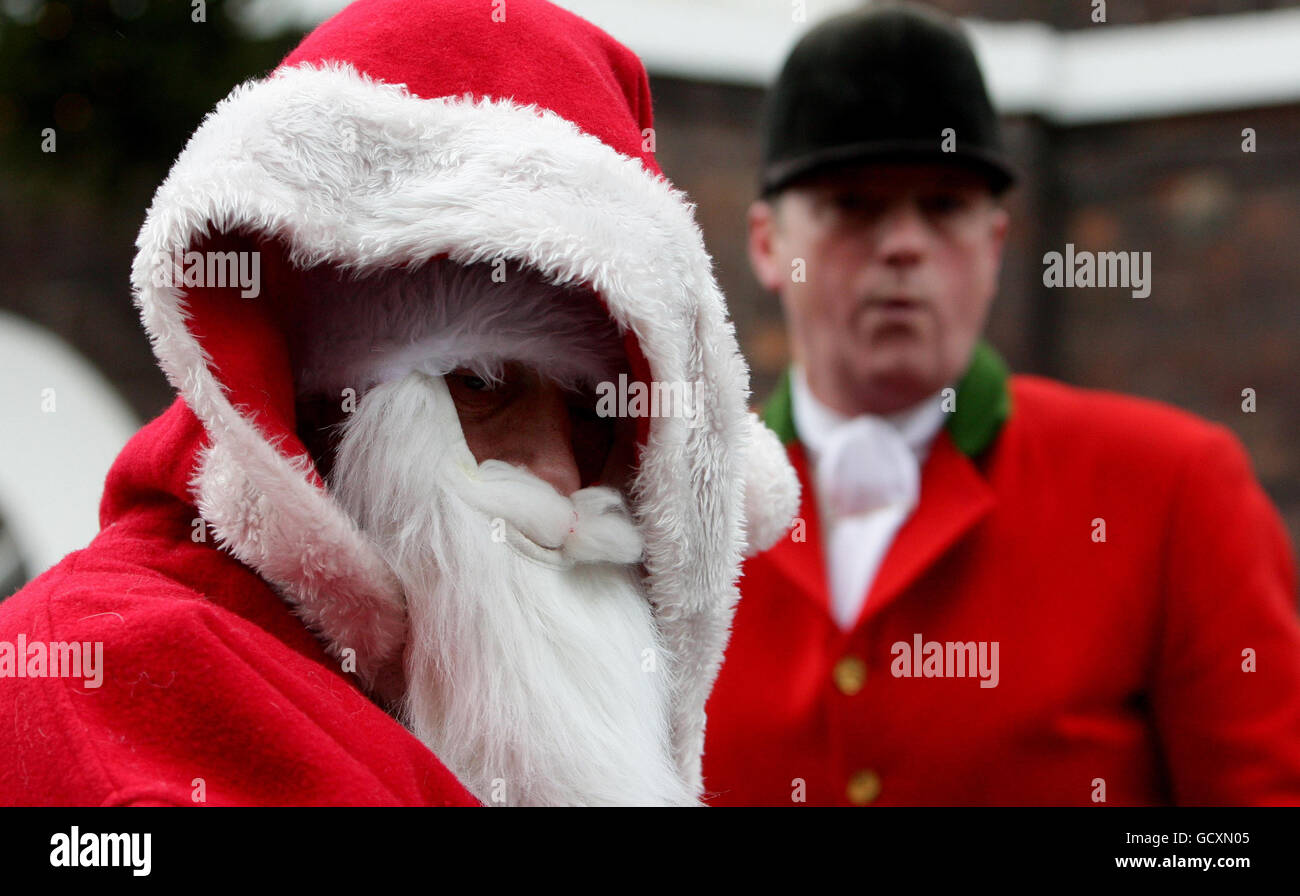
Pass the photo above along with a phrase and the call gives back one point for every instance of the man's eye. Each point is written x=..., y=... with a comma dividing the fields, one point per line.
x=852, y=202
x=855, y=207
x=943, y=203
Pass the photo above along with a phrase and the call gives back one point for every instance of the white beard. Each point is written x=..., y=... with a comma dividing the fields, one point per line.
x=534, y=667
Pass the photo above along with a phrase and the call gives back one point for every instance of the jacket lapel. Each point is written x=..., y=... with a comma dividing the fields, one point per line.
x=799, y=555
x=954, y=498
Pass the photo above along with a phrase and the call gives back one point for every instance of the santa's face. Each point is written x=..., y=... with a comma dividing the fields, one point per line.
x=488, y=336
x=530, y=421
x=534, y=668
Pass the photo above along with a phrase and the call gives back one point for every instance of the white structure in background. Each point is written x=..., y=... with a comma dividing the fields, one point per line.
x=1098, y=73
x=61, y=426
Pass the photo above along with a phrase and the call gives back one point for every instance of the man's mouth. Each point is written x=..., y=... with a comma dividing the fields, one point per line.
x=893, y=303
x=890, y=316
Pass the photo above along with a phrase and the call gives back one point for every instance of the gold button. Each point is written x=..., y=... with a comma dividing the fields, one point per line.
x=850, y=674
x=864, y=787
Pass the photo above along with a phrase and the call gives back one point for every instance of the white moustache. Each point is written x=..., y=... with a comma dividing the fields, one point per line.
x=590, y=526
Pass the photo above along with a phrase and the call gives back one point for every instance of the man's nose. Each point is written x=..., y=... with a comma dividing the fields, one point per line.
x=542, y=439
x=903, y=235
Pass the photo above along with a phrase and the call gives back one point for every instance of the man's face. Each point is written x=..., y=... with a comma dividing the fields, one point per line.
x=886, y=273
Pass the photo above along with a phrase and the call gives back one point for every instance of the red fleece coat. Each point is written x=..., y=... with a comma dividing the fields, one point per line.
x=1121, y=661
x=213, y=692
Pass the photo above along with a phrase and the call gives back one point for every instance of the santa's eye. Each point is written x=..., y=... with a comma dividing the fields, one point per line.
x=475, y=383
x=466, y=381
x=478, y=395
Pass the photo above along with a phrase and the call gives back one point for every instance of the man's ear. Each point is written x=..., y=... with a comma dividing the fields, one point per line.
x=999, y=225
x=763, y=236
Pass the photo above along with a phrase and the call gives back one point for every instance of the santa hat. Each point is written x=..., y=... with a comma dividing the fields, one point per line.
x=405, y=131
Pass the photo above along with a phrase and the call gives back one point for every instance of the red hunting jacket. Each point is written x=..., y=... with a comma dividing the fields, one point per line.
x=1161, y=665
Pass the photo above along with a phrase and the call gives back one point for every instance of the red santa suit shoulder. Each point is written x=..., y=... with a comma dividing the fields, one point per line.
x=209, y=691
x=249, y=629
x=1094, y=601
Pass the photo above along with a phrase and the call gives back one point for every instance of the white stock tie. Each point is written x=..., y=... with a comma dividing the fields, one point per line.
x=867, y=466
x=868, y=481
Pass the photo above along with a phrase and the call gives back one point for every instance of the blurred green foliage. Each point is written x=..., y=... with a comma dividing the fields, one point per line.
x=122, y=82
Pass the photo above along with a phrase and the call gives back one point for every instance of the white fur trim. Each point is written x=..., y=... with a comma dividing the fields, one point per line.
x=771, y=489
x=359, y=332
x=363, y=175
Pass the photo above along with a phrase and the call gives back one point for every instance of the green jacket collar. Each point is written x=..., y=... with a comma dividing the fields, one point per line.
x=983, y=404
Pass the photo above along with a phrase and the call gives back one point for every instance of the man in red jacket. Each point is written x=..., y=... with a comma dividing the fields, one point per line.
x=450, y=507
x=999, y=590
